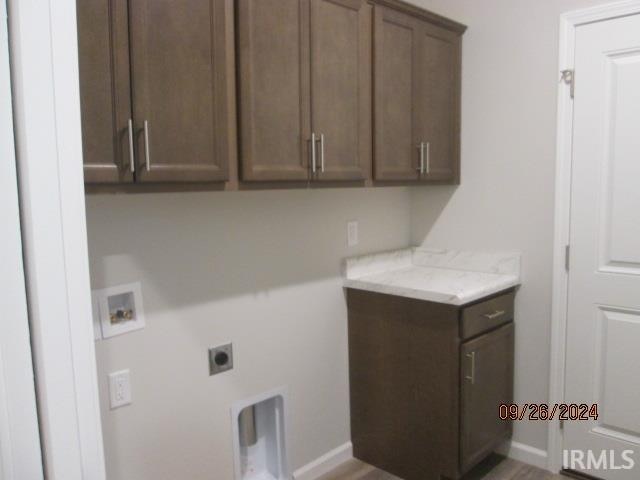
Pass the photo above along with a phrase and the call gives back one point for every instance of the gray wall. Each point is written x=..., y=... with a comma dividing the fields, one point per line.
x=260, y=269
x=506, y=200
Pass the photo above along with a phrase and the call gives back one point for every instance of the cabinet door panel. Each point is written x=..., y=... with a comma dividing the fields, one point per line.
x=396, y=38
x=487, y=381
x=273, y=54
x=105, y=97
x=438, y=101
x=341, y=87
x=182, y=85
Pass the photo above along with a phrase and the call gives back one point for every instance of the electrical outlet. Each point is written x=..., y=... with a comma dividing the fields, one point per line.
x=119, y=389
x=352, y=233
x=220, y=359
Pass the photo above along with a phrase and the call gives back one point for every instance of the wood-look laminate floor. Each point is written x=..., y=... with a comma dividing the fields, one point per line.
x=494, y=468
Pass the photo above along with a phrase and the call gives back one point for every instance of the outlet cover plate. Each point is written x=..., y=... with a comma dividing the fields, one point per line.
x=119, y=389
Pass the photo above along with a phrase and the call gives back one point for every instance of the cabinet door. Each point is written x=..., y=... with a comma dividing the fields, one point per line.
x=273, y=54
x=487, y=381
x=396, y=46
x=105, y=97
x=182, y=68
x=341, y=88
x=438, y=102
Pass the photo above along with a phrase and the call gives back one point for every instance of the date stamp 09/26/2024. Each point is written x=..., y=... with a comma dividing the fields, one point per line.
x=546, y=413
x=610, y=459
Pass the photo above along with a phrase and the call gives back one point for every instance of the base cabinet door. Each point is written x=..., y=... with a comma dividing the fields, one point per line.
x=341, y=88
x=105, y=95
x=486, y=382
x=182, y=72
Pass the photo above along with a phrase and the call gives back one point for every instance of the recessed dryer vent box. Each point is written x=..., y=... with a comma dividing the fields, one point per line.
x=118, y=310
x=260, y=437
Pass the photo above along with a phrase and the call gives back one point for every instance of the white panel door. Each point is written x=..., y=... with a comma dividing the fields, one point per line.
x=603, y=337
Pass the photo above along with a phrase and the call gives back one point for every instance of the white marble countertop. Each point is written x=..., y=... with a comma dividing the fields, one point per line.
x=437, y=275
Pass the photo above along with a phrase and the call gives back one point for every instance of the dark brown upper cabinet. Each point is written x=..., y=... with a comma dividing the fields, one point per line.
x=396, y=41
x=157, y=89
x=274, y=89
x=305, y=89
x=417, y=62
x=105, y=92
x=340, y=92
x=341, y=88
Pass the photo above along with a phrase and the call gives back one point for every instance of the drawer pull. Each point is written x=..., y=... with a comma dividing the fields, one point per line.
x=494, y=315
x=472, y=377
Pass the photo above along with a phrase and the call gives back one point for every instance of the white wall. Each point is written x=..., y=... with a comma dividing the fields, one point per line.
x=505, y=201
x=260, y=269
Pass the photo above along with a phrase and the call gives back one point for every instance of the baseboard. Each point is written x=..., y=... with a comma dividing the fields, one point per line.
x=524, y=453
x=330, y=460
x=325, y=463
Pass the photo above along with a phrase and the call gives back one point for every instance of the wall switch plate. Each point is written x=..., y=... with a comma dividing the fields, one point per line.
x=119, y=389
x=220, y=359
x=352, y=233
x=119, y=309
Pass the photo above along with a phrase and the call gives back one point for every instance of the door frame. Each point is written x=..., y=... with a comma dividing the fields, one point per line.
x=20, y=453
x=48, y=142
x=569, y=22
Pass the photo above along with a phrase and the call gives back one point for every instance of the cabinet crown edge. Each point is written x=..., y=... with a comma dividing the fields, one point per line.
x=423, y=14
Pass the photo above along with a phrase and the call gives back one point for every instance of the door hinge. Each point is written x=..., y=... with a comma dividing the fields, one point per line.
x=567, y=256
x=569, y=78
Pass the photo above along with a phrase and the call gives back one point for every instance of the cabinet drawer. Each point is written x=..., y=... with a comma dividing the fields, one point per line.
x=486, y=315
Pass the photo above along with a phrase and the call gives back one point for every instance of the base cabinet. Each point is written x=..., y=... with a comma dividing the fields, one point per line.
x=426, y=382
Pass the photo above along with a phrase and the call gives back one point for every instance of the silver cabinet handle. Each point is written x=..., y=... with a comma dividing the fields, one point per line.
x=494, y=315
x=428, y=158
x=132, y=160
x=322, y=152
x=421, y=167
x=313, y=153
x=472, y=377
x=147, y=154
